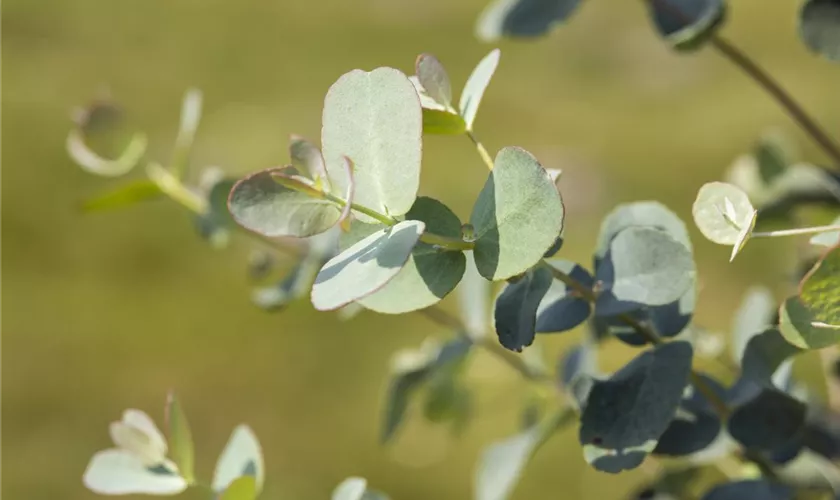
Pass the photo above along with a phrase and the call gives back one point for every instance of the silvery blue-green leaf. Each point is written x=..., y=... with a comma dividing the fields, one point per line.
x=190, y=116
x=263, y=205
x=180, y=438
x=769, y=422
x=695, y=426
x=829, y=239
x=502, y=463
x=517, y=216
x=306, y=157
x=476, y=85
x=242, y=488
x=242, y=456
x=91, y=162
x=474, y=299
x=721, y=211
x=365, y=267
x=753, y=316
x=773, y=155
x=580, y=360
x=685, y=24
x=522, y=18
x=819, y=27
x=641, y=213
x=123, y=196
x=426, y=101
x=765, y=363
x=625, y=415
x=667, y=321
x=750, y=489
x=440, y=122
x=291, y=287
x=644, y=267
x=430, y=272
x=561, y=309
x=355, y=488
x=516, y=308
x=374, y=118
x=811, y=320
x=400, y=390
x=216, y=223
x=433, y=77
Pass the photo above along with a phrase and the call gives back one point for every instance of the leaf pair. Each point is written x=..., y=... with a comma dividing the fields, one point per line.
x=440, y=116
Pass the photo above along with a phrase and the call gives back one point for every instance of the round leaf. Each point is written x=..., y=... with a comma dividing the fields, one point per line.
x=374, y=118
x=430, y=273
x=263, y=205
x=769, y=422
x=366, y=266
x=685, y=24
x=517, y=216
x=722, y=211
x=432, y=76
x=516, y=308
x=819, y=27
x=644, y=267
x=640, y=213
x=242, y=456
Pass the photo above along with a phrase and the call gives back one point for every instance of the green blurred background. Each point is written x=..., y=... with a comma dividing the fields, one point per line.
x=107, y=311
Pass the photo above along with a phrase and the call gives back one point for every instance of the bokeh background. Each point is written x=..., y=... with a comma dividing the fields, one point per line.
x=107, y=311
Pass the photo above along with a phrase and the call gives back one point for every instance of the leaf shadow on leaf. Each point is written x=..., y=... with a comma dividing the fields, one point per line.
x=384, y=259
x=487, y=249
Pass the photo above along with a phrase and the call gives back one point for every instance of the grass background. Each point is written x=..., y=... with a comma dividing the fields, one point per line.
x=109, y=311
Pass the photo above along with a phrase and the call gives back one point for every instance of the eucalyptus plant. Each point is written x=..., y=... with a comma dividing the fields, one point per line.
x=346, y=210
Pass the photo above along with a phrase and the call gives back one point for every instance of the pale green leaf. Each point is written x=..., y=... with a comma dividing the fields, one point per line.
x=242, y=456
x=123, y=196
x=306, y=157
x=431, y=272
x=476, y=85
x=828, y=239
x=432, y=76
x=753, y=316
x=502, y=463
x=517, y=216
x=722, y=211
x=811, y=320
x=242, y=488
x=365, y=267
x=374, y=118
x=440, y=122
x=180, y=438
x=262, y=204
x=819, y=27
x=190, y=116
x=91, y=162
x=640, y=213
x=744, y=235
x=352, y=488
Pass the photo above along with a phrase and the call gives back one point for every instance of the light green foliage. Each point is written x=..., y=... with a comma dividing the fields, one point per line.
x=430, y=273
x=476, y=85
x=306, y=157
x=355, y=488
x=180, y=438
x=366, y=266
x=432, y=76
x=811, y=319
x=275, y=202
x=724, y=215
x=649, y=267
x=828, y=239
x=374, y=118
x=819, y=27
x=640, y=213
x=502, y=463
x=95, y=164
x=242, y=488
x=123, y=196
x=190, y=117
x=517, y=215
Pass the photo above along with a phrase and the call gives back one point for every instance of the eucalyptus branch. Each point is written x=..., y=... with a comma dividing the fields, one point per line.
x=797, y=231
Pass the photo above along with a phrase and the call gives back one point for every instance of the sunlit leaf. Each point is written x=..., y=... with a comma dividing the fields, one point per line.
x=516, y=308
x=242, y=488
x=517, y=216
x=365, y=267
x=819, y=27
x=264, y=205
x=625, y=415
x=381, y=105
x=722, y=211
x=667, y=320
x=91, y=162
x=440, y=122
x=644, y=267
x=562, y=308
x=811, y=320
x=180, y=438
x=769, y=422
x=433, y=77
x=306, y=157
x=123, y=196
x=242, y=456
x=685, y=24
x=522, y=18
x=753, y=489
x=476, y=85
x=431, y=272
